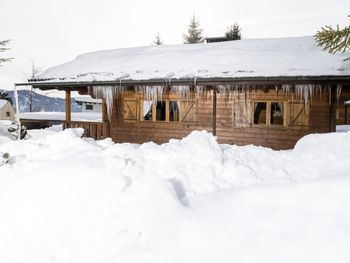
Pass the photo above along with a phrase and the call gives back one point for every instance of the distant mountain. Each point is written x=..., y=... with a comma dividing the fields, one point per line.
x=42, y=102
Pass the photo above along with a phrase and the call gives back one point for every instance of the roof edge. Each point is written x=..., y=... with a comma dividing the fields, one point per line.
x=206, y=81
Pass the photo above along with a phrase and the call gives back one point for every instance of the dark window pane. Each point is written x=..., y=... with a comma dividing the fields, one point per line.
x=160, y=111
x=277, y=113
x=174, y=107
x=89, y=107
x=260, y=113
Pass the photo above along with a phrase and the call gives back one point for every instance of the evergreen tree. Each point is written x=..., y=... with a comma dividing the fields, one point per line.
x=2, y=49
x=5, y=96
x=233, y=32
x=157, y=40
x=334, y=39
x=194, y=32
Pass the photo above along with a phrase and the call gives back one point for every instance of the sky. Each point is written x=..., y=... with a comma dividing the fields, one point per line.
x=51, y=32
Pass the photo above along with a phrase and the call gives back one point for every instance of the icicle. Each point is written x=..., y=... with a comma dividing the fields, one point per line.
x=339, y=87
x=184, y=91
x=108, y=93
x=305, y=92
x=151, y=93
x=199, y=90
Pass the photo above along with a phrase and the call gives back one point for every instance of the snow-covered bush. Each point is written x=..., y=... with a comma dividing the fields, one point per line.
x=10, y=129
x=4, y=158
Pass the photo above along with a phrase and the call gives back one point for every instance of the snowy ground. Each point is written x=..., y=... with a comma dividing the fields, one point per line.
x=343, y=128
x=67, y=199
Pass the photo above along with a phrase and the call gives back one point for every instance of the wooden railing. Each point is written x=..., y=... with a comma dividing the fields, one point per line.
x=96, y=130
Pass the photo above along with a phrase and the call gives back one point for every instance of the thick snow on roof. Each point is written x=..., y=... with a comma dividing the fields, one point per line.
x=88, y=100
x=3, y=103
x=295, y=56
x=61, y=116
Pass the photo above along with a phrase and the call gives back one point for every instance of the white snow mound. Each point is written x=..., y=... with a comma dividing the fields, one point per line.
x=64, y=198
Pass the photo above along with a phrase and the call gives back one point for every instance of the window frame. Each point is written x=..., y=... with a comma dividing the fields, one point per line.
x=268, y=124
x=167, y=111
x=154, y=112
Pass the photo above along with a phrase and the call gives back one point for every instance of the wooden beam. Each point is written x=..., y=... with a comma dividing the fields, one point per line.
x=104, y=111
x=332, y=110
x=214, y=110
x=68, y=106
x=346, y=114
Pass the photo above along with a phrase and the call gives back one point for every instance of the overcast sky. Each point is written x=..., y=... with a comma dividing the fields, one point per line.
x=52, y=32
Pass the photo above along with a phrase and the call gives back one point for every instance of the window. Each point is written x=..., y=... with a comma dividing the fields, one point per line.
x=8, y=114
x=260, y=113
x=167, y=111
x=147, y=110
x=276, y=113
x=161, y=111
x=269, y=113
x=89, y=107
x=174, y=110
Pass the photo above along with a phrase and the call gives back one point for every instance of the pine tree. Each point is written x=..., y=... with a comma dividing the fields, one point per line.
x=334, y=39
x=233, y=32
x=2, y=49
x=194, y=32
x=5, y=96
x=157, y=40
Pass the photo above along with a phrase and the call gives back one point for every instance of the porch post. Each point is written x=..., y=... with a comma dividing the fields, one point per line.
x=214, y=110
x=68, y=107
x=332, y=112
x=346, y=114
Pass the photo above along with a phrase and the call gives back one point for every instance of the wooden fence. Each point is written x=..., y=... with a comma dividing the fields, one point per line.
x=96, y=130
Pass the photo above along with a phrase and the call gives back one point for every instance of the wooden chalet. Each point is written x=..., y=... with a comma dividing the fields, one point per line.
x=267, y=92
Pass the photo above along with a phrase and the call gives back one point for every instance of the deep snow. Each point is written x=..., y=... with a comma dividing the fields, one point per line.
x=67, y=199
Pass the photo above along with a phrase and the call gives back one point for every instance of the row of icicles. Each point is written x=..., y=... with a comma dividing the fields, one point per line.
x=186, y=92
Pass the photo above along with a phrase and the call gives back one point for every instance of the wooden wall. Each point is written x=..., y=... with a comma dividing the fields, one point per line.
x=340, y=114
x=227, y=130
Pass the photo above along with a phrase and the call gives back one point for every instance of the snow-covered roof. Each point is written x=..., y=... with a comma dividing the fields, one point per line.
x=88, y=100
x=3, y=103
x=60, y=116
x=294, y=56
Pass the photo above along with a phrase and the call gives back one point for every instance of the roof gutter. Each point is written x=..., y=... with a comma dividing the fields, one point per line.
x=200, y=81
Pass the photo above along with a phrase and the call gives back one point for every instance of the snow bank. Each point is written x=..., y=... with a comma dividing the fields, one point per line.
x=68, y=199
x=294, y=56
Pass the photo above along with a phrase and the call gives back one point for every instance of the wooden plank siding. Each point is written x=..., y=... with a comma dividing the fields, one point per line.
x=96, y=130
x=340, y=108
x=278, y=137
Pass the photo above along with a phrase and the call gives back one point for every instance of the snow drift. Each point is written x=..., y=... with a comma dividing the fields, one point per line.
x=68, y=199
